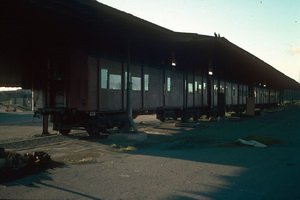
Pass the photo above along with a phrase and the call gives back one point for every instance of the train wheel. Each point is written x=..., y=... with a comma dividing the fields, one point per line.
x=162, y=119
x=184, y=118
x=65, y=131
x=92, y=130
x=124, y=124
x=196, y=117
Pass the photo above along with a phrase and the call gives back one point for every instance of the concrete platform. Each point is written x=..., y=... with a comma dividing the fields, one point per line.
x=127, y=136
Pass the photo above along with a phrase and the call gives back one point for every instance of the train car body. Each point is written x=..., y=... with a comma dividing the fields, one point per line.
x=85, y=58
x=90, y=92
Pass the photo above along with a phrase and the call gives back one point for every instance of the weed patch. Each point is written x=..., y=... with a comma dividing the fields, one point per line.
x=122, y=148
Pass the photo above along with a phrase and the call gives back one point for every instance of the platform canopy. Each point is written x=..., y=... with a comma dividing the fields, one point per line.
x=32, y=29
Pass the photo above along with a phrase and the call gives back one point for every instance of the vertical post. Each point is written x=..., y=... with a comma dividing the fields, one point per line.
x=45, y=125
x=209, y=92
x=202, y=89
x=238, y=94
x=186, y=90
x=210, y=80
x=129, y=89
x=47, y=99
x=194, y=87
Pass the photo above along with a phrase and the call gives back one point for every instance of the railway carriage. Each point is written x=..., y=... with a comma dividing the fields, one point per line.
x=84, y=55
x=94, y=95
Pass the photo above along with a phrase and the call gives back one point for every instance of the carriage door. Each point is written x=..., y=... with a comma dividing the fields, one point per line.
x=56, y=87
x=173, y=89
x=110, y=95
x=221, y=99
x=198, y=91
x=136, y=77
x=190, y=91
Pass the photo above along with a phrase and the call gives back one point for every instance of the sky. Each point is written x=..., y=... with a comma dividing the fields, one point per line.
x=268, y=29
x=9, y=88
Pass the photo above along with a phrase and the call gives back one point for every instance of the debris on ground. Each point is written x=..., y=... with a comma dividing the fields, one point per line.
x=252, y=143
x=12, y=161
x=253, y=140
x=191, y=124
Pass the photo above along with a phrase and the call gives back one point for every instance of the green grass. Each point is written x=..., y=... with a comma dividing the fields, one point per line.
x=78, y=160
x=125, y=148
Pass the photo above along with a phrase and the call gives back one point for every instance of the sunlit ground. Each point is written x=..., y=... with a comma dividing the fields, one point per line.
x=10, y=88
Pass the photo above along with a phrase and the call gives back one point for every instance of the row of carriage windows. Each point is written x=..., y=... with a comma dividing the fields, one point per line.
x=114, y=82
x=196, y=87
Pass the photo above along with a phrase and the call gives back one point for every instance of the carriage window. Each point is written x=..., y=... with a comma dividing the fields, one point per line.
x=233, y=91
x=104, y=78
x=226, y=90
x=146, y=82
x=222, y=89
x=169, y=84
x=136, y=83
x=115, y=82
x=125, y=78
x=215, y=89
x=196, y=86
x=199, y=88
x=190, y=87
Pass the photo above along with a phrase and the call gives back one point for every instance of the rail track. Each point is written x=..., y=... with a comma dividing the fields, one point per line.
x=35, y=141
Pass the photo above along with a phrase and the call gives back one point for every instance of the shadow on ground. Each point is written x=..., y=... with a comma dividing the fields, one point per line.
x=10, y=176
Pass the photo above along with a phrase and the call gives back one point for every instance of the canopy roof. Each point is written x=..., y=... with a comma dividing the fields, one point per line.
x=28, y=26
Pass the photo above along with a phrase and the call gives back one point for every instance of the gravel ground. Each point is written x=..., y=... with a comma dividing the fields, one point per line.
x=203, y=162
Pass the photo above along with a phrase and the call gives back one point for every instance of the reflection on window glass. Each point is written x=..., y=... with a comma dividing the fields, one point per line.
x=146, y=82
x=222, y=89
x=190, y=87
x=196, y=86
x=169, y=84
x=233, y=91
x=204, y=86
x=115, y=82
x=104, y=78
x=226, y=90
x=200, y=88
x=215, y=89
x=125, y=77
x=136, y=83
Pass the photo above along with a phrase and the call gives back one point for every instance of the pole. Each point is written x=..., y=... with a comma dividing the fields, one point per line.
x=47, y=100
x=129, y=91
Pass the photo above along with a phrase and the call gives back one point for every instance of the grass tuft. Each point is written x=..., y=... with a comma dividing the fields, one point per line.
x=121, y=148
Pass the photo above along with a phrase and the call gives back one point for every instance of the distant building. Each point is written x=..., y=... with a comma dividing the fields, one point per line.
x=19, y=97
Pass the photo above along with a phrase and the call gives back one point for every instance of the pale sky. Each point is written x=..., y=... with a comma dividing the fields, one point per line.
x=268, y=29
x=9, y=88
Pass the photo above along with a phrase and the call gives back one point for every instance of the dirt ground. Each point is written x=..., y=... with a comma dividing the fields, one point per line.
x=200, y=161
